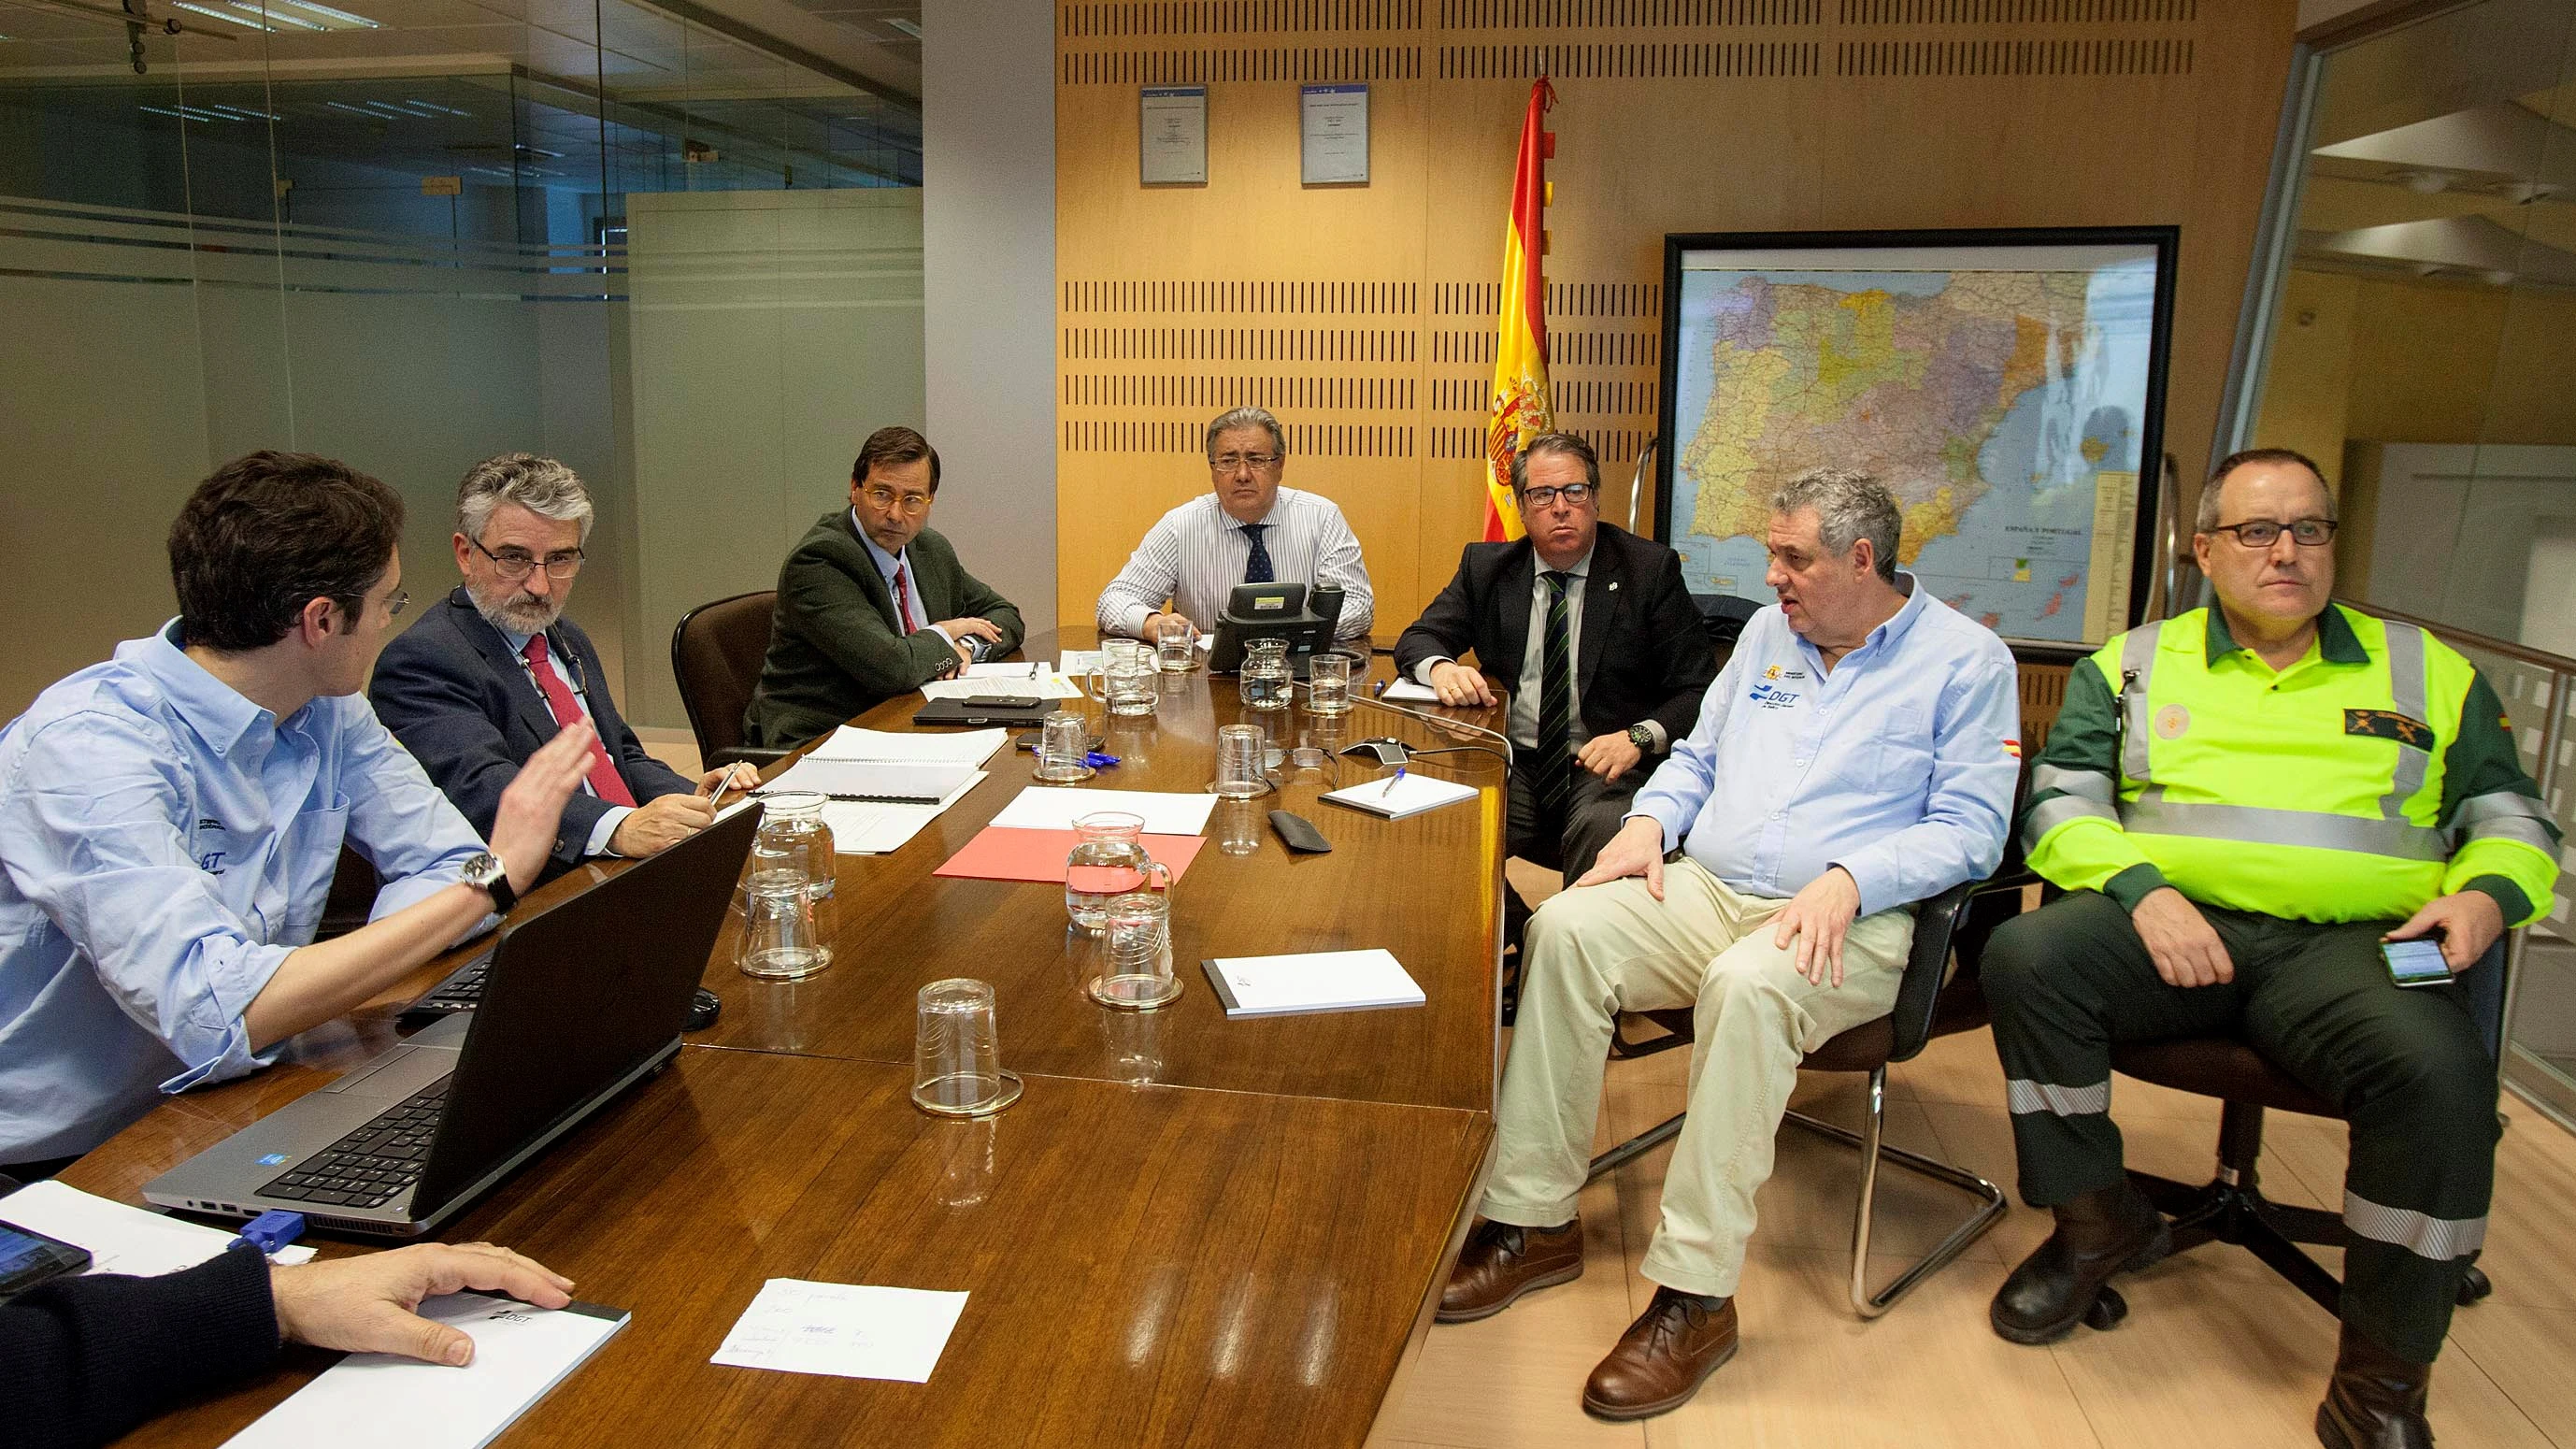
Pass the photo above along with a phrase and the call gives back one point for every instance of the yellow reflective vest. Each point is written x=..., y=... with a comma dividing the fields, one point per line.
x=2368, y=777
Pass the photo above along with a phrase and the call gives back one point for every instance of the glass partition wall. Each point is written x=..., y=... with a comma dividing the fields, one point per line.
x=2422, y=347
x=397, y=233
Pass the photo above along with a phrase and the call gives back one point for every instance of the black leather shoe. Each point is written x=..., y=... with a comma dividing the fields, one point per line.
x=2375, y=1400
x=2104, y=1232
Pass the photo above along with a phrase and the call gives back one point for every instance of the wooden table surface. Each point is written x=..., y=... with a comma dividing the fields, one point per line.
x=1187, y=1231
x=1427, y=888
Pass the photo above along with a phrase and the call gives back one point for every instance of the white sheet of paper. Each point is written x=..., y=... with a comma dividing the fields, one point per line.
x=843, y=1329
x=1042, y=686
x=1399, y=796
x=871, y=777
x=121, y=1239
x=967, y=747
x=1317, y=981
x=1021, y=670
x=520, y=1353
x=1405, y=691
x=1078, y=661
x=1043, y=807
x=863, y=829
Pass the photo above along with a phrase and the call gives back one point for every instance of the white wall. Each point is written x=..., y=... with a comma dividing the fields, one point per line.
x=988, y=288
x=768, y=333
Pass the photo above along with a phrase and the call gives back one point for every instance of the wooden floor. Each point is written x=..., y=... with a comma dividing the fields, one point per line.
x=2217, y=1353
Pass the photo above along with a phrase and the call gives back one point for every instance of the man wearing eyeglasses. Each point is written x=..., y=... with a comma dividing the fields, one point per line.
x=170, y=820
x=1588, y=630
x=495, y=670
x=2243, y=803
x=873, y=602
x=1245, y=530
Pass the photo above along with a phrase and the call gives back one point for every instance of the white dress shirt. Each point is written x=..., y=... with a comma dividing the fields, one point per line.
x=1196, y=554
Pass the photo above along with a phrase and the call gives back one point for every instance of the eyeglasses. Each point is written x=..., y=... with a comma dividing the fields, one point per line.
x=1229, y=462
x=2263, y=532
x=908, y=502
x=514, y=564
x=395, y=601
x=1576, y=494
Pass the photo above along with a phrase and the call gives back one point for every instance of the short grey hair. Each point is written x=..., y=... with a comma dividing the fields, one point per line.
x=542, y=486
x=1850, y=506
x=2206, y=521
x=1234, y=418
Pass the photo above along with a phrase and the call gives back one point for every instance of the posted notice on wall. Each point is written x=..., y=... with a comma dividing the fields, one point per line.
x=1173, y=136
x=1333, y=125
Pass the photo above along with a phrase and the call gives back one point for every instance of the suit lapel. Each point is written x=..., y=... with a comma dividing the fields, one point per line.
x=873, y=583
x=1511, y=605
x=1601, y=591
x=505, y=666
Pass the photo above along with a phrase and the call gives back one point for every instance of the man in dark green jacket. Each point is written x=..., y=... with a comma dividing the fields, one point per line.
x=872, y=604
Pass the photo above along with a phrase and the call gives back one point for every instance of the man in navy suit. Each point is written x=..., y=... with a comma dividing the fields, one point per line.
x=495, y=670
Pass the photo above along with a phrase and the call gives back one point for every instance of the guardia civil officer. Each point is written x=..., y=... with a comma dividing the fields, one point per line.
x=2242, y=802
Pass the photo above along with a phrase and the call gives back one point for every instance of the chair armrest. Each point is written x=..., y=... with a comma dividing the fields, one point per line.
x=1927, y=965
x=745, y=755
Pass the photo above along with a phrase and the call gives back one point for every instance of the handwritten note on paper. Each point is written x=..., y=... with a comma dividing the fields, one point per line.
x=843, y=1329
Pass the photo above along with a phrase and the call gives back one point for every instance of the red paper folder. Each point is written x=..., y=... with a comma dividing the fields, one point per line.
x=999, y=852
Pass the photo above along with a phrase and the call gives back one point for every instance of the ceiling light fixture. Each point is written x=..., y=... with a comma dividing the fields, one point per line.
x=231, y=17
x=342, y=19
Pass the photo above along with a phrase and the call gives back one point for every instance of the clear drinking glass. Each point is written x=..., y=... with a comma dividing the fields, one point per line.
x=1238, y=827
x=1240, y=749
x=1127, y=682
x=1175, y=646
x=794, y=838
x=1263, y=680
x=1108, y=860
x=1136, y=956
x=1064, y=743
x=957, y=1051
x=1328, y=683
x=778, y=938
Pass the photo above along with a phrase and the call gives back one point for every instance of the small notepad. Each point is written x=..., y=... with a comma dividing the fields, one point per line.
x=1311, y=981
x=1397, y=797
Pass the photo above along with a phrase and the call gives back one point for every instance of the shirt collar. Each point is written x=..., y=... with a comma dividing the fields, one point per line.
x=1581, y=568
x=2336, y=641
x=1277, y=498
x=1902, y=622
x=887, y=563
x=221, y=715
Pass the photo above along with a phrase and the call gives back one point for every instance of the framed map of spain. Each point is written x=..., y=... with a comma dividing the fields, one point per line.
x=2006, y=386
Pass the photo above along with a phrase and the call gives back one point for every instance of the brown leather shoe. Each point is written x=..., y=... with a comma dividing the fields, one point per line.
x=2376, y=1399
x=1663, y=1358
x=1501, y=1262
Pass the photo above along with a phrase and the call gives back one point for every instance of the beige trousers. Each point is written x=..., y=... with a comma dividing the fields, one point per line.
x=1601, y=950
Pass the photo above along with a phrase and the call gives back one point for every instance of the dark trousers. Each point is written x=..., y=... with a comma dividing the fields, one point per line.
x=2408, y=1068
x=1568, y=842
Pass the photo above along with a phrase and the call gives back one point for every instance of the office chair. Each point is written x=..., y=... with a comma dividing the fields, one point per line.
x=1932, y=1001
x=715, y=656
x=2230, y=1207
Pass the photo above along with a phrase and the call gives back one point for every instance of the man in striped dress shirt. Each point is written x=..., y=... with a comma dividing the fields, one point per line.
x=1245, y=530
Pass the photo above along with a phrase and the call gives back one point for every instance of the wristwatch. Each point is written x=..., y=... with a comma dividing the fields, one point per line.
x=486, y=873
x=1643, y=738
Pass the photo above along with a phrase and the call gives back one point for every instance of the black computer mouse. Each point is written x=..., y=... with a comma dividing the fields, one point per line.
x=704, y=1008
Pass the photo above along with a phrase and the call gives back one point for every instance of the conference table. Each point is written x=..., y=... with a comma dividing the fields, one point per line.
x=1188, y=1230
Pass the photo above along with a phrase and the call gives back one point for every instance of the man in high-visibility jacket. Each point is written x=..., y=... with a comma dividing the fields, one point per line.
x=2242, y=803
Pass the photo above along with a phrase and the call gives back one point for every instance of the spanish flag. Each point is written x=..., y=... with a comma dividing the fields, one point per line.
x=1521, y=409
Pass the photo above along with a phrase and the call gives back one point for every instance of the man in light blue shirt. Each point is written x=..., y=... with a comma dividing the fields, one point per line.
x=1857, y=755
x=169, y=820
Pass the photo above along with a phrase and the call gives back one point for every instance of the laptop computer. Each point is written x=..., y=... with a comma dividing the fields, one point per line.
x=581, y=1001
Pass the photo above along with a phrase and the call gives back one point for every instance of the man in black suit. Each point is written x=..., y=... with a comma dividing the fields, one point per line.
x=873, y=602
x=495, y=671
x=1589, y=632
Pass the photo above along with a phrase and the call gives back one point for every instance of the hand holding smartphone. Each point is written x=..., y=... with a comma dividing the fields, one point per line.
x=2417, y=962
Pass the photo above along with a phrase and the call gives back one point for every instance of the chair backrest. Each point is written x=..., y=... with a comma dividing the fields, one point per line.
x=715, y=656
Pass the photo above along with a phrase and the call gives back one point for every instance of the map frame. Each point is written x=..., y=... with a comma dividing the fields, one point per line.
x=1900, y=250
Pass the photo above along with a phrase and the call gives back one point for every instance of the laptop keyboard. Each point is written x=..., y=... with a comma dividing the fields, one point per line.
x=370, y=1165
x=460, y=992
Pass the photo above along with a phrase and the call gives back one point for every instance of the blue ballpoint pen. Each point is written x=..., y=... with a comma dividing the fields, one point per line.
x=1392, y=781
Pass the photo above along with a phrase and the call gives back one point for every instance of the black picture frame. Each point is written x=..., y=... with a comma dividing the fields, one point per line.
x=2165, y=241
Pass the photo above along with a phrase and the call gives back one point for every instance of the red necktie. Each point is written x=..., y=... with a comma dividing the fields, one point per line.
x=912, y=620
x=604, y=780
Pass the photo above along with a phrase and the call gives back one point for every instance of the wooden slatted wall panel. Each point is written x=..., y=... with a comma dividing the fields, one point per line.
x=1364, y=316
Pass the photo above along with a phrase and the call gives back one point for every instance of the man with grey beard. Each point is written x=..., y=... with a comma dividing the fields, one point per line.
x=496, y=670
